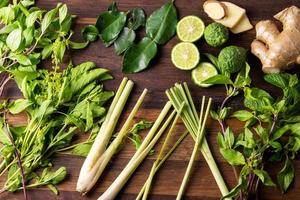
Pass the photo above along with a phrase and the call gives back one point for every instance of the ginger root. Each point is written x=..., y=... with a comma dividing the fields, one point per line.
x=276, y=50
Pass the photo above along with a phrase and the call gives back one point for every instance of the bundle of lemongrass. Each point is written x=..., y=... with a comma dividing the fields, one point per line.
x=100, y=153
x=177, y=95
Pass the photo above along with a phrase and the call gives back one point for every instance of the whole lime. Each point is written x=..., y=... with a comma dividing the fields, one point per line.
x=231, y=59
x=216, y=34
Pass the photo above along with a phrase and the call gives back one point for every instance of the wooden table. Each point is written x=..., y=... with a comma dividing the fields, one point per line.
x=160, y=76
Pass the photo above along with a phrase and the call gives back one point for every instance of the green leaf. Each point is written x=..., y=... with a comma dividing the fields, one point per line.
x=264, y=177
x=89, y=117
x=54, y=178
x=279, y=80
x=28, y=34
x=233, y=157
x=48, y=19
x=7, y=14
x=138, y=56
x=53, y=189
x=109, y=25
x=124, y=41
x=218, y=79
x=77, y=45
x=22, y=59
x=82, y=149
x=90, y=33
x=47, y=50
x=32, y=18
x=161, y=24
x=63, y=11
x=242, y=115
x=221, y=141
x=137, y=18
x=258, y=100
x=3, y=137
x=19, y=105
x=4, y=3
x=14, y=39
x=213, y=60
x=229, y=137
x=235, y=191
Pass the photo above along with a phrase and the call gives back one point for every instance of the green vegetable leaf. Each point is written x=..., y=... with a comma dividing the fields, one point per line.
x=109, y=25
x=22, y=59
x=213, y=60
x=82, y=149
x=7, y=14
x=48, y=19
x=19, y=105
x=161, y=24
x=138, y=56
x=49, y=177
x=264, y=177
x=243, y=115
x=136, y=129
x=90, y=33
x=233, y=157
x=14, y=39
x=137, y=18
x=77, y=45
x=53, y=189
x=63, y=11
x=258, y=100
x=32, y=17
x=4, y=3
x=218, y=79
x=124, y=41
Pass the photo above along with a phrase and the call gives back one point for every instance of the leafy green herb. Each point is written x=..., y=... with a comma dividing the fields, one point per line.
x=271, y=131
x=136, y=129
x=90, y=33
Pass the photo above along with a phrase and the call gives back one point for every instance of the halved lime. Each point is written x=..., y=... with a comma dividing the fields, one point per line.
x=190, y=29
x=203, y=72
x=185, y=56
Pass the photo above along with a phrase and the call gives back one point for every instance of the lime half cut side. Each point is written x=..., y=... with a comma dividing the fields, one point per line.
x=190, y=29
x=203, y=72
x=185, y=56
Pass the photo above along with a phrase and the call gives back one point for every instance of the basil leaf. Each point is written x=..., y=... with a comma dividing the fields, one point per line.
x=90, y=33
x=63, y=11
x=82, y=150
x=213, y=60
x=32, y=17
x=138, y=56
x=161, y=25
x=258, y=100
x=22, y=59
x=4, y=3
x=264, y=177
x=124, y=41
x=218, y=79
x=7, y=14
x=14, y=39
x=109, y=25
x=137, y=18
x=233, y=157
x=242, y=115
x=48, y=19
x=77, y=45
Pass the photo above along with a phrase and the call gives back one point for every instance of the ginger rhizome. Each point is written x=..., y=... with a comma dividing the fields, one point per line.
x=277, y=50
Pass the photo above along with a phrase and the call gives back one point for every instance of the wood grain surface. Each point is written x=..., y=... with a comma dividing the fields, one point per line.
x=159, y=77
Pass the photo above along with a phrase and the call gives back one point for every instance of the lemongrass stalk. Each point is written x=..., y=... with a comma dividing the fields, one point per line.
x=152, y=172
x=176, y=97
x=91, y=163
x=113, y=147
x=163, y=161
x=139, y=155
x=200, y=134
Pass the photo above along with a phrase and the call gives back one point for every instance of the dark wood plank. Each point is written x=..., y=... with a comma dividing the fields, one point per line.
x=157, y=79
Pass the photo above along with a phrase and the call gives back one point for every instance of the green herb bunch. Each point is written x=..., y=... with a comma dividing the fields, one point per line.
x=118, y=28
x=29, y=35
x=57, y=104
x=271, y=131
